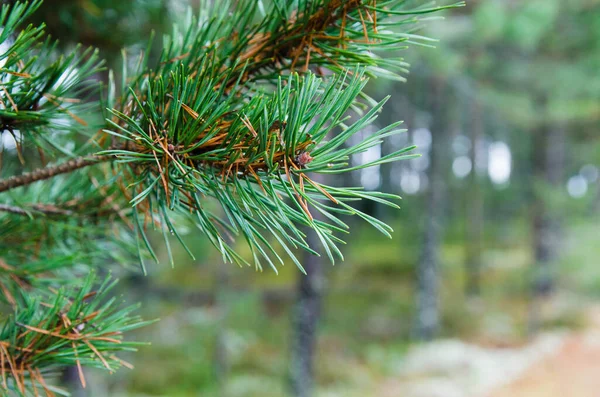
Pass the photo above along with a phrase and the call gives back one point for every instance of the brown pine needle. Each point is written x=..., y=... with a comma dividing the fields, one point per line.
x=255, y=175
x=343, y=29
x=320, y=188
x=67, y=111
x=8, y=295
x=301, y=183
x=310, y=46
x=91, y=316
x=79, y=369
x=176, y=163
x=185, y=107
x=18, y=74
x=162, y=176
x=63, y=99
x=300, y=200
x=15, y=375
x=104, y=362
x=13, y=104
x=22, y=373
x=105, y=339
x=248, y=125
x=4, y=384
x=364, y=25
x=24, y=349
x=90, y=295
x=56, y=334
x=49, y=392
x=190, y=111
x=123, y=362
x=32, y=376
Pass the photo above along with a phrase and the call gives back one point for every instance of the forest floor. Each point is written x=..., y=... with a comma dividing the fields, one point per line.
x=365, y=346
x=555, y=364
x=573, y=371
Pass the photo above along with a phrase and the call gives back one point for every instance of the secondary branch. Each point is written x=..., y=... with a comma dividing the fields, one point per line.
x=43, y=208
x=50, y=172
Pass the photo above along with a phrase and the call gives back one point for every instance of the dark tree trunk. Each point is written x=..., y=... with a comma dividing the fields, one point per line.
x=549, y=147
x=403, y=110
x=72, y=383
x=474, y=203
x=549, y=166
x=596, y=203
x=221, y=363
x=427, y=316
x=385, y=173
x=305, y=320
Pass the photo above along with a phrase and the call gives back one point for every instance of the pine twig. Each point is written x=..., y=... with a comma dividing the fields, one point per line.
x=50, y=172
x=13, y=209
x=43, y=208
x=293, y=41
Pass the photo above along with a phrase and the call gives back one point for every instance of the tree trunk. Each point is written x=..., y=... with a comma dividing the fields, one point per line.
x=305, y=320
x=549, y=169
x=427, y=318
x=549, y=148
x=72, y=383
x=596, y=203
x=402, y=109
x=474, y=202
x=221, y=363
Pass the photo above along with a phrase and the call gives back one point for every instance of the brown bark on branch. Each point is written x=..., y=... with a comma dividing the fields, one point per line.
x=295, y=42
x=47, y=209
x=50, y=172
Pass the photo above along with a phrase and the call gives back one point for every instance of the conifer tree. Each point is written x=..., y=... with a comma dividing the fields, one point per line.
x=223, y=129
x=545, y=87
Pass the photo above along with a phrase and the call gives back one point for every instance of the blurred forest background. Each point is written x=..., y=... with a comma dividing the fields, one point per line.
x=495, y=255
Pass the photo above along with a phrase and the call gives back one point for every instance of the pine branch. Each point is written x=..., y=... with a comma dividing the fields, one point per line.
x=30, y=277
x=263, y=152
x=79, y=328
x=82, y=213
x=337, y=35
x=13, y=209
x=197, y=123
x=294, y=38
x=50, y=172
x=42, y=96
x=233, y=113
x=41, y=208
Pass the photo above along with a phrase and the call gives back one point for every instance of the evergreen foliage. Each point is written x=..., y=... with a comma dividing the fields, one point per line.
x=223, y=129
